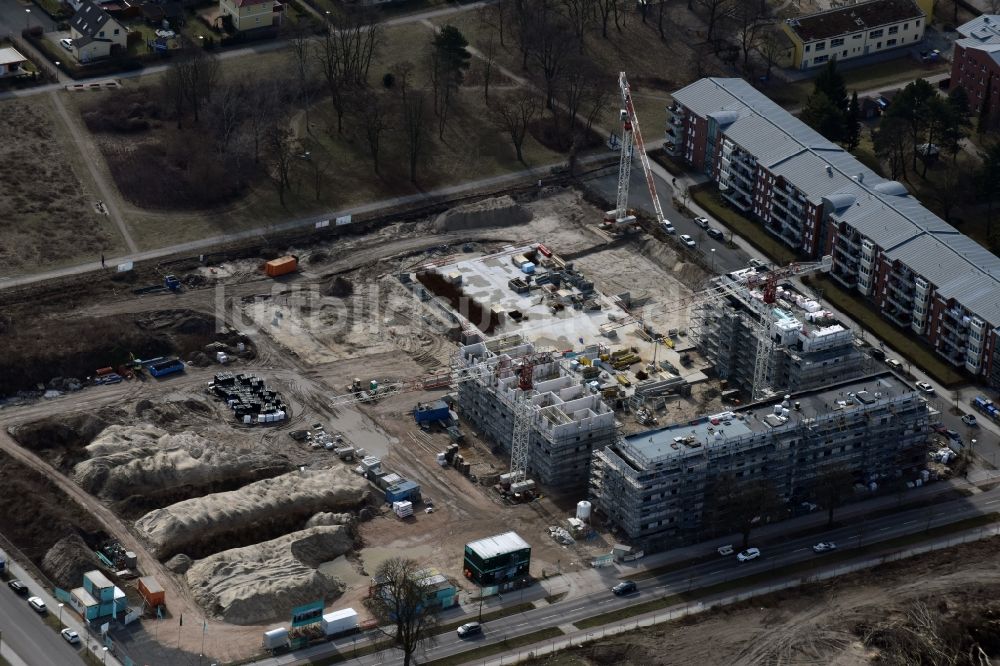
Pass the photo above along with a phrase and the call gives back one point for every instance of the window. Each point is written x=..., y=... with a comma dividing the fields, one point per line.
x=878, y=45
x=820, y=60
x=890, y=42
x=893, y=30
x=116, y=31
x=875, y=33
x=857, y=36
x=845, y=54
x=837, y=42
x=820, y=47
x=100, y=34
x=917, y=24
x=906, y=26
x=808, y=47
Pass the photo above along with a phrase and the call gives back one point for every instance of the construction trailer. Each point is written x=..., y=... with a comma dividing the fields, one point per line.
x=656, y=487
x=565, y=421
x=151, y=592
x=497, y=563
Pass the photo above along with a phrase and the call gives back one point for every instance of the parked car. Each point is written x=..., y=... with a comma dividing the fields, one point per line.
x=18, y=587
x=725, y=550
x=625, y=587
x=37, y=604
x=953, y=435
x=470, y=629
x=824, y=547
x=66, y=44
x=925, y=388
x=970, y=420
x=894, y=364
x=939, y=429
x=758, y=263
x=687, y=240
x=748, y=555
x=715, y=233
x=71, y=636
x=668, y=228
x=701, y=222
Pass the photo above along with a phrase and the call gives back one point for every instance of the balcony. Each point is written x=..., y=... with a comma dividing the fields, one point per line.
x=900, y=317
x=673, y=148
x=844, y=278
x=954, y=328
x=902, y=305
x=735, y=198
x=951, y=354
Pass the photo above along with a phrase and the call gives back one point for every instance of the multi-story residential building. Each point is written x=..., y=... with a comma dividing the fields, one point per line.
x=919, y=271
x=975, y=64
x=856, y=30
x=758, y=348
x=655, y=487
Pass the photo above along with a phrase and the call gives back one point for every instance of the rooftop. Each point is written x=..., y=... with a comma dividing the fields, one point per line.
x=11, y=56
x=878, y=208
x=498, y=545
x=89, y=19
x=984, y=29
x=693, y=437
x=97, y=579
x=853, y=18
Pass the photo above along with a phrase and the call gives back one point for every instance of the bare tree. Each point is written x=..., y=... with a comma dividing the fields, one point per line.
x=197, y=72
x=771, y=47
x=833, y=486
x=750, y=20
x=715, y=10
x=549, y=48
x=261, y=102
x=513, y=114
x=226, y=114
x=374, y=114
x=398, y=601
x=579, y=15
x=172, y=87
x=413, y=109
x=328, y=55
x=279, y=146
x=489, y=62
x=302, y=64
x=580, y=77
x=604, y=8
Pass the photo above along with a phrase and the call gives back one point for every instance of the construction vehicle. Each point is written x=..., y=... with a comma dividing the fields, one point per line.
x=621, y=217
x=172, y=283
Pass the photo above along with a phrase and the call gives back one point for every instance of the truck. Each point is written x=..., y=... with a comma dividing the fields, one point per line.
x=339, y=622
x=986, y=407
x=276, y=639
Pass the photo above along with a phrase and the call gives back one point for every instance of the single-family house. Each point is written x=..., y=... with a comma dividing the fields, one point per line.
x=95, y=34
x=250, y=14
x=11, y=62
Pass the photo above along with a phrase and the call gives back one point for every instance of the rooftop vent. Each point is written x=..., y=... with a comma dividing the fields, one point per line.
x=829, y=170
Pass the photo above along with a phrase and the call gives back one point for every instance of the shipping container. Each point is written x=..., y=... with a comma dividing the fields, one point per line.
x=166, y=368
x=281, y=266
x=151, y=591
x=276, y=638
x=404, y=491
x=339, y=622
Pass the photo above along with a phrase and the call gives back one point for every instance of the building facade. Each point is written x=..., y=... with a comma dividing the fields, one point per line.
x=654, y=487
x=94, y=34
x=921, y=273
x=249, y=14
x=567, y=421
x=856, y=30
x=975, y=65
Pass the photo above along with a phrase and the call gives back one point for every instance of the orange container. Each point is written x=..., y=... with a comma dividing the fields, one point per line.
x=151, y=591
x=281, y=266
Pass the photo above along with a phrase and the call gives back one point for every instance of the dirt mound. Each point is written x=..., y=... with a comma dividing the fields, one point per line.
x=328, y=518
x=500, y=211
x=179, y=563
x=61, y=438
x=258, y=510
x=258, y=583
x=338, y=287
x=144, y=461
x=68, y=560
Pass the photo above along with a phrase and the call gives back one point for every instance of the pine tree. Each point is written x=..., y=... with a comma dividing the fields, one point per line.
x=852, y=123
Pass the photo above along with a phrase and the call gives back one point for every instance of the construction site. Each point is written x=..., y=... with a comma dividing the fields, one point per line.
x=255, y=432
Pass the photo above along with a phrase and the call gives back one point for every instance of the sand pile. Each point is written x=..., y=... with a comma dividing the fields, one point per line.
x=195, y=524
x=259, y=583
x=496, y=212
x=327, y=518
x=67, y=560
x=126, y=460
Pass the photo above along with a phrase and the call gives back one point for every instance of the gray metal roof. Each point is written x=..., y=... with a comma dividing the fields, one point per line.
x=984, y=29
x=883, y=211
x=498, y=545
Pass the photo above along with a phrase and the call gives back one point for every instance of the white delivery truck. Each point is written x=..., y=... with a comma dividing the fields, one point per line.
x=339, y=622
x=275, y=639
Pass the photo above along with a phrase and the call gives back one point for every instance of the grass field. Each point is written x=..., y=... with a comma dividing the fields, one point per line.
x=48, y=214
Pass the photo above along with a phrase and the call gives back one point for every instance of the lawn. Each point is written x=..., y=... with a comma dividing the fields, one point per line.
x=708, y=198
x=903, y=341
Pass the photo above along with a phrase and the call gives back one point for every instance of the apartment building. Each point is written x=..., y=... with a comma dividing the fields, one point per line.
x=762, y=348
x=567, y=422
x=654, y=487
x=975, y=64
x=856, y=30
x=920, y=272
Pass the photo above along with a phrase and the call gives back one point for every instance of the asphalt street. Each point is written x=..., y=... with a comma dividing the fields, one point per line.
x=715, y=569
x=14, y=18
x=725, y=259
x=26, y=633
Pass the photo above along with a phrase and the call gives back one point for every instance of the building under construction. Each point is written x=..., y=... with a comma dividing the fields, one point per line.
x=769, y=339
x=656, y=487
x=565, y=422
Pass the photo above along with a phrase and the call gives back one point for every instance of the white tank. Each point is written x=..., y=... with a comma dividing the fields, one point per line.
x=583, y=510
x=777, y=410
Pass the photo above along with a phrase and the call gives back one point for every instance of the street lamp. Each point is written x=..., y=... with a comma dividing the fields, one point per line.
x=27, y=19
x=60, y=613
x=105, y=651
x=713, y=259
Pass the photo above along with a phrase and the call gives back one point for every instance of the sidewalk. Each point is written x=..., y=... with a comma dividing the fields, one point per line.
x=11, y=656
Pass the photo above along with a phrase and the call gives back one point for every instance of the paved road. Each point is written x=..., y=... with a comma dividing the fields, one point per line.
x=14, y=18
x=712, y=570
x=726, y=259
x=28, y=636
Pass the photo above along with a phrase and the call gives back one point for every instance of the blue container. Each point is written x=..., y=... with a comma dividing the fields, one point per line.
x=402, y=492
x=528, y=268
x=429, y=413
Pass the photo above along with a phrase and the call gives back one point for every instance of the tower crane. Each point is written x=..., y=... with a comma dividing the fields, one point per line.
x=631, y=139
